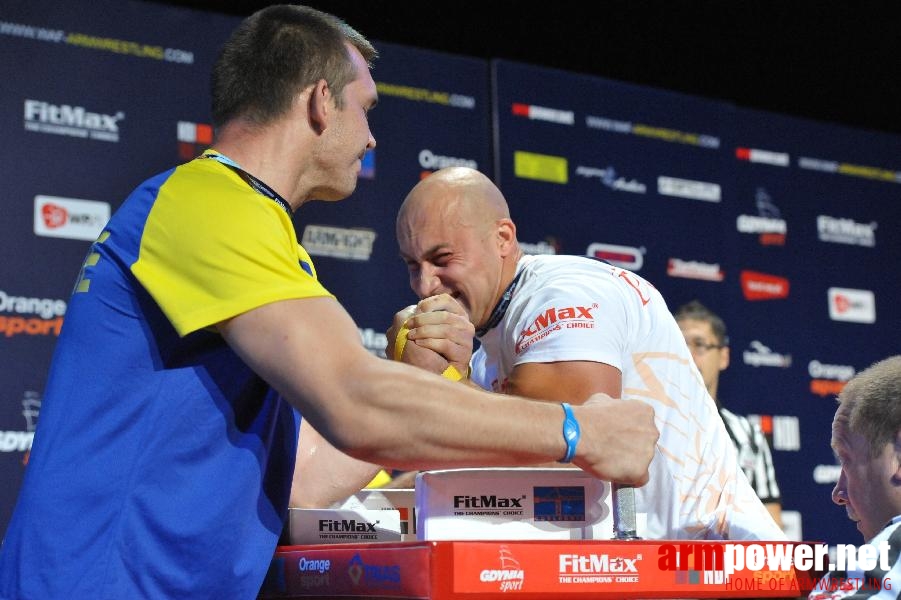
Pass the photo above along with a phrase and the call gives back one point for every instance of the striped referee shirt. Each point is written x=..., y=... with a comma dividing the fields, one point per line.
x=754, y=455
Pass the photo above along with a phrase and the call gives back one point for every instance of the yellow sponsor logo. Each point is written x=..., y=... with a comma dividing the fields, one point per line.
x=665, y=134
x=114, y=45
x=850, y=169
x=542, y=167
x=412, y=93
x=423, y=95
x=867, y=172
x=94, y=42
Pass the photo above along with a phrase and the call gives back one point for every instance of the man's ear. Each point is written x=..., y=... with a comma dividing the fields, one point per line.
x=318, y=107
x=896, y=446
x=506, y=232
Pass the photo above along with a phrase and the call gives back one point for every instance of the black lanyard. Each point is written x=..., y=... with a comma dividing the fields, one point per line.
x=256, y=184
x=500, y=309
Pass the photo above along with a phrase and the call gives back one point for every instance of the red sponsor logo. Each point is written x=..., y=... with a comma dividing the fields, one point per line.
x=614, y=257
x=624, y=257
x=842, y=304
x=763, y=286
x=555, y=319
x=54, y=215
x=772, y=239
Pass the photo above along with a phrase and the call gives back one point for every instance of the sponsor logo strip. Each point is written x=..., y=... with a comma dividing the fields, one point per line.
x=416, y=94
x=337, y=242
x=543, y=113
x=692, y=269
x=767, y=157
x=665, y=134
x=839, y=168
x=688, y=188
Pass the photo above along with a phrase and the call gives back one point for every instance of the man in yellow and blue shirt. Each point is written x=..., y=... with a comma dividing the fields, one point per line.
x=198, y=335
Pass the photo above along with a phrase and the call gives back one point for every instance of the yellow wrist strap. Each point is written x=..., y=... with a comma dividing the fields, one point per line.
x=381, y=478
x=400, y=343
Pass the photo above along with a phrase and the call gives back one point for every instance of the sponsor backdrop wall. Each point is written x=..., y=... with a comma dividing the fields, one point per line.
x=787, y=228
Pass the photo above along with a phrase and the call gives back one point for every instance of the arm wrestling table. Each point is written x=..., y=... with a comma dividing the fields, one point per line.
x=524, y=569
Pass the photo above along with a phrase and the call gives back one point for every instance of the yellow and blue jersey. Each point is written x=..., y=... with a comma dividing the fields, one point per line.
x=161, y=465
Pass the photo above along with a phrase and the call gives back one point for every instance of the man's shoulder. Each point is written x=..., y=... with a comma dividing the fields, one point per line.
x=547, y=269
x=890, y=533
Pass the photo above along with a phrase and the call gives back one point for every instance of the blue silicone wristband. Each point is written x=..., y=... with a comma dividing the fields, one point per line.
x=571, y=433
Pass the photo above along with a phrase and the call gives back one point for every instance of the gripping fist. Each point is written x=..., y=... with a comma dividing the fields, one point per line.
x=618, y=440
x=439, y=335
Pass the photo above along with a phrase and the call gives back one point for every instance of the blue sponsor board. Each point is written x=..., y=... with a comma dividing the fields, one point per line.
x=559, y=503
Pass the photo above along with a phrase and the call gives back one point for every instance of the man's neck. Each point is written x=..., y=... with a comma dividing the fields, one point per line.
x=508, y=276
x=262, y=152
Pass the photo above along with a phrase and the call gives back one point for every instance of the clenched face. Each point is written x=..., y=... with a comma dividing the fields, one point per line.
x=447, y=253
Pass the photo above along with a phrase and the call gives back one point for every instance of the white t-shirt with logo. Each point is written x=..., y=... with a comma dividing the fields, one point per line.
x=568, y=308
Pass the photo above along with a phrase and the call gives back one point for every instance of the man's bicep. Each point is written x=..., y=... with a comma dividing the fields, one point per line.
x=304, y=347
x=564, y=381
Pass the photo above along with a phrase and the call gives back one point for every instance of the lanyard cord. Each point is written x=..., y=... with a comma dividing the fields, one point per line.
x=256, y=184
x=500, y=308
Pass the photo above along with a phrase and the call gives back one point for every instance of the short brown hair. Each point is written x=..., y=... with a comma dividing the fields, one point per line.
x=277, y=52
x=873, y=401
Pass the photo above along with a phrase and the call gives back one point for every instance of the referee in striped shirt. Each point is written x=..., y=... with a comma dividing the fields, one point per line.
x=705, y=334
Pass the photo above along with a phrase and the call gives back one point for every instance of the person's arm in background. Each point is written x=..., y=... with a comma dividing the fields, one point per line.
x=322, y=474
x=390, y=414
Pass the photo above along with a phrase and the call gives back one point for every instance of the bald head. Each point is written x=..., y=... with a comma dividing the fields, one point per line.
x=459, y=195
x=455, y=234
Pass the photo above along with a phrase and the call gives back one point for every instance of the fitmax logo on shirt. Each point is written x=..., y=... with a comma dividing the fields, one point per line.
x=555, y=319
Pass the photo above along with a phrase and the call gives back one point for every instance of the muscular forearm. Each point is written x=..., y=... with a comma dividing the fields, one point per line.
x=400, y=416
x=410, y=419
x=453, y=425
